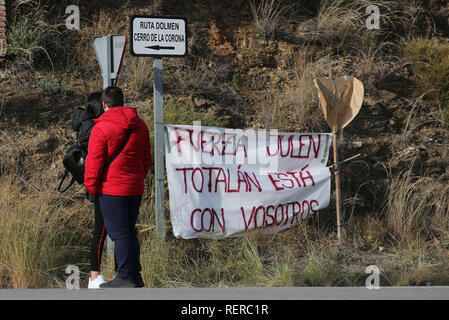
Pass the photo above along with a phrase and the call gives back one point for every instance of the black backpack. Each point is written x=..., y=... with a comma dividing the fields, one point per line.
x=74, y=164
x=75, y=159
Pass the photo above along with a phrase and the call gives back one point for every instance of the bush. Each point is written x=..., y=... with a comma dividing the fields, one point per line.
x=430, y=66
x=266, y=16
x=26, y=36
x=176, y=114
x=417, y=208
x=51, y=87
x=202, y=80
x=138, y=75
x=36, y=32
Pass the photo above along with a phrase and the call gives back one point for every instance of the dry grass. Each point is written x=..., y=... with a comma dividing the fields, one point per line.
x=340, y=21
x=430, y=64
x=137, y=74
x=336, y=20
x=202, y=79
x=373, y=62
x=266, y=15
x=41, y=232
x=274, y=113
x=417, y=209
x=300, y=93
x=417, y=118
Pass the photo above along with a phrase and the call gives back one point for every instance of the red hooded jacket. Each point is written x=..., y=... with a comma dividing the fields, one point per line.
x=126, y=174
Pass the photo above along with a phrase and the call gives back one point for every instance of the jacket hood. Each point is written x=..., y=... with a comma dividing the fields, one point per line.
x=79, y=116
x=125, y=117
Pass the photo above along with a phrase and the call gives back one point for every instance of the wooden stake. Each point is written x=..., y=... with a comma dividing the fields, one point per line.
x=337, y=178
x=337, y=185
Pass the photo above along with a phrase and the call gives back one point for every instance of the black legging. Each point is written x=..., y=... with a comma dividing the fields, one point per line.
x=98, y=240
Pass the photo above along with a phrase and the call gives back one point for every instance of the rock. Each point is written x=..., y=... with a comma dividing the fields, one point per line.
x=357, y=143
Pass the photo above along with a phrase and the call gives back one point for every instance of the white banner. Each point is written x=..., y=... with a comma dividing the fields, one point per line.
x=223, y=182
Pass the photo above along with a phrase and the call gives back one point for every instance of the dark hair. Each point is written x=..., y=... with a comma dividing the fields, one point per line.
x=113, y=97
x=94, y=105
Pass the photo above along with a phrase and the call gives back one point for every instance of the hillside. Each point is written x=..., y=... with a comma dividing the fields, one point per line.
x=245, y=69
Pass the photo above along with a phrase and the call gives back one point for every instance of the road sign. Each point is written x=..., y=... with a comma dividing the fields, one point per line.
x=158, y=36
x=110, y=51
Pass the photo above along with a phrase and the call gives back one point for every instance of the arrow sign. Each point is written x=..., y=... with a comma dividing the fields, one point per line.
x=158, y=36
x=160, y=47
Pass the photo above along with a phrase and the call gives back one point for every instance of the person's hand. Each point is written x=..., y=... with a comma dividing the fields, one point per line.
x=91, y=198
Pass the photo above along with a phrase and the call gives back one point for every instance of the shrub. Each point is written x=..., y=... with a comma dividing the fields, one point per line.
x=273, y=112
x=417, y=208
x=430, y=66
x=204, y=79
x=302, y=96
x=342, y=22
x=266, y=16
x=52, y=87
x=26, y=36
x=138, y=75
x=31, y=36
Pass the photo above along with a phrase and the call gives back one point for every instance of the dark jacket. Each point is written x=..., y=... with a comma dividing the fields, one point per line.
x=83, y=124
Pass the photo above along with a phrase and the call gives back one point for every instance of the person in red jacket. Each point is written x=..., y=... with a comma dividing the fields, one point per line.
x=119, y=187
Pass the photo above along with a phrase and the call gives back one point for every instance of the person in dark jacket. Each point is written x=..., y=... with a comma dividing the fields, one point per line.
x=82, y=122
x=120, y=187
x=82, y=118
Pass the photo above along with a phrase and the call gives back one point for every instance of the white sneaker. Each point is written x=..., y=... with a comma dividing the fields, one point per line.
x=95, y=284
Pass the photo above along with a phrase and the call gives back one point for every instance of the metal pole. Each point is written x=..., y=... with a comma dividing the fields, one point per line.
x=159, y=148
x=111, y=56
x=106, y=83
x=108, y=71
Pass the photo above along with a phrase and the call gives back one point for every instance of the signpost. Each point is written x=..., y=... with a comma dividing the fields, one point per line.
x=158, y=37
x=110, y=51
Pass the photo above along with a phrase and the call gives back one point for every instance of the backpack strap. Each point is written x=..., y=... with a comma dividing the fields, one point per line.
x=62, y=181
x=119, y=150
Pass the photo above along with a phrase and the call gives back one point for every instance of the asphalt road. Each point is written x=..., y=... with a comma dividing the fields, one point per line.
x=303, y=293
